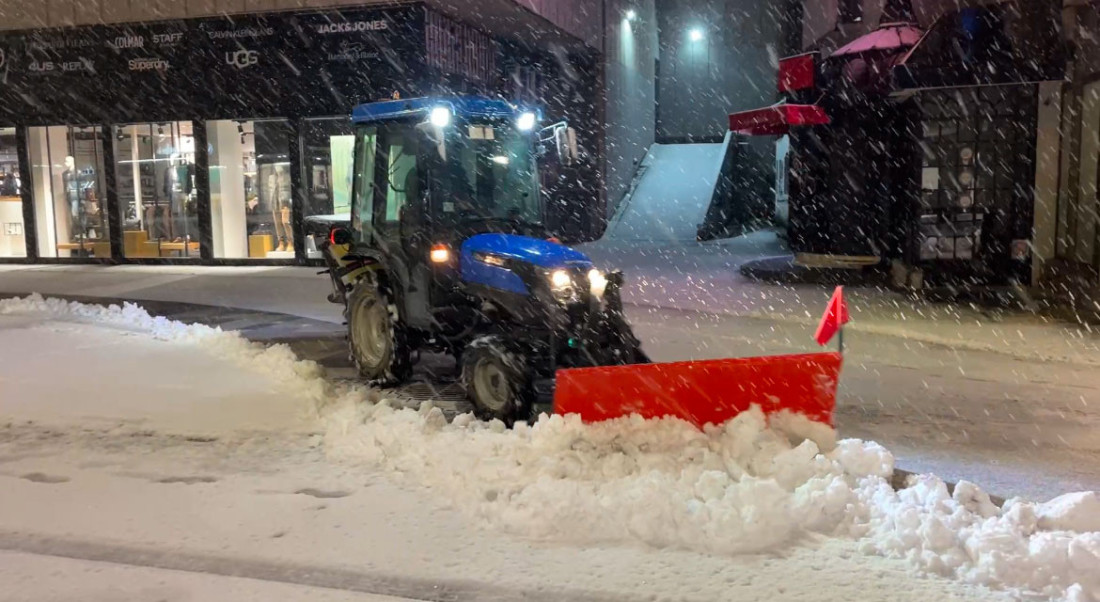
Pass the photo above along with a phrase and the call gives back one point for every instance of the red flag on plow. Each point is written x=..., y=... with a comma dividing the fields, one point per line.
x=836, y=316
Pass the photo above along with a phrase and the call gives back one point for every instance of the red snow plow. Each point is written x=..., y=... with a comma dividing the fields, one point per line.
x=702, y=392
x=714, y=391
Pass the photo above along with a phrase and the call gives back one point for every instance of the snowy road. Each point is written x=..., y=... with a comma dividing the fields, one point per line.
x=923, y=378
x=102, y=474
x=104, y=479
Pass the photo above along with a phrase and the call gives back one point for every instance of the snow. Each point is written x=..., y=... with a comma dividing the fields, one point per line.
x=1071, y=512
x=268, y=386
x=739, y=489
x=673, y=195
x=104, y=582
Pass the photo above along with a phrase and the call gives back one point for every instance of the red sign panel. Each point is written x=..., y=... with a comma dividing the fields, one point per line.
x=776, y=121
x=797, y=73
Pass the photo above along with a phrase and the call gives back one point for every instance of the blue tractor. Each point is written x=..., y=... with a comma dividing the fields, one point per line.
x=446, y=251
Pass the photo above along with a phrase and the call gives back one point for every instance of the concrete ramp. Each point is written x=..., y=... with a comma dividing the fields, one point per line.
x=675, y=188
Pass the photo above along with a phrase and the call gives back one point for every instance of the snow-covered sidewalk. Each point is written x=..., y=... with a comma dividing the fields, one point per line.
x=627, y=508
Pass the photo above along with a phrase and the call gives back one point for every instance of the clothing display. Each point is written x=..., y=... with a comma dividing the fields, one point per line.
x=81, y=195
x=276, y=196
x=10, y=185
x=154, y=178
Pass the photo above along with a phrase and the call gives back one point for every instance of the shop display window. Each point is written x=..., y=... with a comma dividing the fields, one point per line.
x=155, y=177
x=328, y=149
x=974, y=143
x=13, y=242
x=67, y=180
x=251, y=195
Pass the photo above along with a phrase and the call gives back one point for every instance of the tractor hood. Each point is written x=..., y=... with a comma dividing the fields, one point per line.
x=535, y=251
x=512, y=248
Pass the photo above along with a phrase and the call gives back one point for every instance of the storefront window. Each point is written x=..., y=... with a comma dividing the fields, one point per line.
x=977, y=142
x=328, y=148
x=156, y=189
x=67, y=180
x=13, y=243
x=250, y=189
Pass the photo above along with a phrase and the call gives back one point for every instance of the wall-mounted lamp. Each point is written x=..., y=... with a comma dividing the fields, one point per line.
x=696, y=34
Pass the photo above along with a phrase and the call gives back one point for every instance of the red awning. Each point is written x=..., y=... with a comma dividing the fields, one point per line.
x=776, y=121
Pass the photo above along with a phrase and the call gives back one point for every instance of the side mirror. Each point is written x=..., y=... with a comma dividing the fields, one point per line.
x=563, y=139
x=566, y=141
x=340, y=236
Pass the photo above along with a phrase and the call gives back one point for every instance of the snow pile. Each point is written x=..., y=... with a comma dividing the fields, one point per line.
x=743, y=487
x=740, y=488
x=276, y=362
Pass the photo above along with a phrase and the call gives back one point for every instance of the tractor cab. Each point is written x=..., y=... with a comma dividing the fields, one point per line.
x=429, y=174
x=432, y=172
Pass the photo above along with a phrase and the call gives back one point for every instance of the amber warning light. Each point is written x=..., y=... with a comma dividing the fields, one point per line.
x=440, y=253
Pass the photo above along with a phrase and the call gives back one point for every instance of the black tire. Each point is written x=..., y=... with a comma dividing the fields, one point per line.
x=496, y=380
x=378, y=343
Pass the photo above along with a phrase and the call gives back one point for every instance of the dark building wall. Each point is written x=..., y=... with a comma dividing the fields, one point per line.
x=578, y=17
x=731, y=68
x=252, y=66
x=630, y=87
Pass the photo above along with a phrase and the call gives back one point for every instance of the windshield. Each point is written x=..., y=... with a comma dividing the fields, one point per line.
x=491, y=172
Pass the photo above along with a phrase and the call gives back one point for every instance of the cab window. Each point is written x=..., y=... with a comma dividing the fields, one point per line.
x=366, y=139
x=399, y=176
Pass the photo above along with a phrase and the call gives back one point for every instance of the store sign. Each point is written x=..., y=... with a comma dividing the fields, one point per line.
x=121, y=42
x=242, y=59
x=167, y=39
x=63, y=43
x=149, y=64
x=352, y=51
x=80, y=65
x=235, y=34
x=353, y=27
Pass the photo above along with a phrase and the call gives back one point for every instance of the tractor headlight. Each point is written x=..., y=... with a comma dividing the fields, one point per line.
x=560, y=281
x=527, y=122
x=440, y=117
x=597, y=283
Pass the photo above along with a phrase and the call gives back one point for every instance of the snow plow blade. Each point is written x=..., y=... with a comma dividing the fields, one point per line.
x=702, y=392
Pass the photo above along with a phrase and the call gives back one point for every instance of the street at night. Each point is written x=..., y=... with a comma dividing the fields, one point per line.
x=578, y=300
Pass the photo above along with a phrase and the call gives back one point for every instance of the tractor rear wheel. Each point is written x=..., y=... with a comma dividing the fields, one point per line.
x=496, y=380
x=377, y=341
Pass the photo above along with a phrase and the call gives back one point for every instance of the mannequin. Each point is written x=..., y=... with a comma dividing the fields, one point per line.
x=70, y=184
x=280, y=212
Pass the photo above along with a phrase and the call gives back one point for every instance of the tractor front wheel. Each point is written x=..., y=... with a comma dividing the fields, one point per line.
x=496, y=381
x=377, y=341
